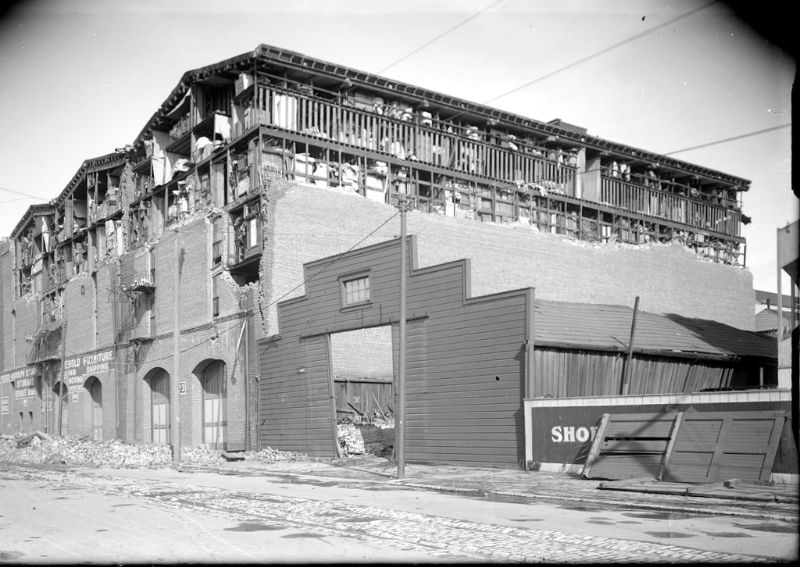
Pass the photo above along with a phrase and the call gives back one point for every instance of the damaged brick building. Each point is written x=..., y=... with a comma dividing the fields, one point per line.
x=134, y=302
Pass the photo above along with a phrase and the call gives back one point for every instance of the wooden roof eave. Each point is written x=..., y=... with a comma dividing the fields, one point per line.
x=270, y=55
x=183, y=86
x=33, y=210
x=107, y=161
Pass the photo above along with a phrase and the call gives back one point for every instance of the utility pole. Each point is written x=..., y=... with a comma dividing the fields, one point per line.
x=176, y=366
x=403, y=204
x=624, y=385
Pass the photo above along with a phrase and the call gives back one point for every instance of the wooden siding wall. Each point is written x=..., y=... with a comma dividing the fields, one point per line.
x=294, y=409
x=465, y=361
x=569, y=374
x=465, y=372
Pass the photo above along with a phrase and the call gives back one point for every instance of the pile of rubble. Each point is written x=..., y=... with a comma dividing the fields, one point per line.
x=366, y=437
x=270, y=455
x=350, y=439
x=200, y=456
x=40, y=448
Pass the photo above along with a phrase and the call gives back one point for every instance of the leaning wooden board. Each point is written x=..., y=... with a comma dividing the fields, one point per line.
x=630, y=445
x=696, y=447
x=717, y=446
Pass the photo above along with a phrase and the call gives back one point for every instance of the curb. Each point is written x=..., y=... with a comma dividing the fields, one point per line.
x=510, y=495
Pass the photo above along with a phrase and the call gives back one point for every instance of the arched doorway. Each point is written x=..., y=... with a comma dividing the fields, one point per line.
x=159, y=405
x=95, y=389
x=212, y=380
x=62, y=396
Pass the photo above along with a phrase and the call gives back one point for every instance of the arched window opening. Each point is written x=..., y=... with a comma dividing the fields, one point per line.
x=62, y=395
x=96, y=395
x=212, y=379
x=160, y=422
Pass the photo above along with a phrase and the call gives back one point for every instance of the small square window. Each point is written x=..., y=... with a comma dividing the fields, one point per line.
x=355, y=291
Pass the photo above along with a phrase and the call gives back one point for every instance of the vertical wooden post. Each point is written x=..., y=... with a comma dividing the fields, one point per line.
x=624, y=386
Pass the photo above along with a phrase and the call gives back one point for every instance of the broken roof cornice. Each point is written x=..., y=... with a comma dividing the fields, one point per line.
x=113, y=159
x=33, y=210
x=269, y=54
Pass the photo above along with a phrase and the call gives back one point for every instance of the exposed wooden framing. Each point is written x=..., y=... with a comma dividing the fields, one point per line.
x=595, y=448
x=671, y=444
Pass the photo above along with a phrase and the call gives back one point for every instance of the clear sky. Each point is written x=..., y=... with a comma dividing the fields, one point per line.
x=81, y=78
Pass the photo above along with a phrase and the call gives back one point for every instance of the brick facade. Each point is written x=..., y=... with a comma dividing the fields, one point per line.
x=307, y=223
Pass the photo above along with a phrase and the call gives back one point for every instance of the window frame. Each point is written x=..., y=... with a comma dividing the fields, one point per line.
x=343, y=295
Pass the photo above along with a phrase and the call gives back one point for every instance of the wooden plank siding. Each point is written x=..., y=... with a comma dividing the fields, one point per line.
x=465, y=364
x=563, y=373
x=295, y=405
x=716, y=446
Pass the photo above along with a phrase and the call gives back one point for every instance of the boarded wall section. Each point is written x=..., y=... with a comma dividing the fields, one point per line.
x=464, y=368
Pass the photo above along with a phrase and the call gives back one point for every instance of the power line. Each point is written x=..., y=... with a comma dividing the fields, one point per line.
x=332, y=261
x=23, y=194
x=603, y=51
x=441, y=35
x=731, y=139
x=304, y=282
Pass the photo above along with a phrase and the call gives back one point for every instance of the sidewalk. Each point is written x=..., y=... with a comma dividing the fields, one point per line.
x=521, y=486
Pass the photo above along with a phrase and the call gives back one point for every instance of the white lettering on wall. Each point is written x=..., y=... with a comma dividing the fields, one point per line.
x=572, y=434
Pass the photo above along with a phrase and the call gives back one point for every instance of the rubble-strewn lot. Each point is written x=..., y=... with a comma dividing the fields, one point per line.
x=371, y=437
x=40, y=448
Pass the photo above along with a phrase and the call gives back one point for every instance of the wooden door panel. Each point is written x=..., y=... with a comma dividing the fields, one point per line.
x=718, y=446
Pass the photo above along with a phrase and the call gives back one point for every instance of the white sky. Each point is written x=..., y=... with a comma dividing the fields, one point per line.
x=81, y=78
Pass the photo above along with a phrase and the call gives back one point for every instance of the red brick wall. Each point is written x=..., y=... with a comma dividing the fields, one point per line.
x=310, y=223
x=79, y=307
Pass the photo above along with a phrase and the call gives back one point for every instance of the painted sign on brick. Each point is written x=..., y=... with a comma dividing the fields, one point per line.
x=17, y=374
x=78, y=368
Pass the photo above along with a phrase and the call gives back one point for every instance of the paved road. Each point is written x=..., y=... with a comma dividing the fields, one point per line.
x=162, y=515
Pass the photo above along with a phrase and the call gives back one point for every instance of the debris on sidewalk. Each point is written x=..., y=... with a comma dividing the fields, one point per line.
x=32, y=439
x=270, y=455
x=40, y=448
x=200, y=455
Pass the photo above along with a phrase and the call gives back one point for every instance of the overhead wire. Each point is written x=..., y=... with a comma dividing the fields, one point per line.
x=253, y=313
x=23, y=194
x=603, y=51
x=439, y=36
x=731, y=139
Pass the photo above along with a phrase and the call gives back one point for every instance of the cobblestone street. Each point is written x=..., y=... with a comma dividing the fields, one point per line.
x=401, y=534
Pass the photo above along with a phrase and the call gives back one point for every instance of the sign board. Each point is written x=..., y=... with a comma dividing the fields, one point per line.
x=80, y=367
x=4, y=405
x=182, y=387
x=76, y=396
x=564, y=434
x=18, y=374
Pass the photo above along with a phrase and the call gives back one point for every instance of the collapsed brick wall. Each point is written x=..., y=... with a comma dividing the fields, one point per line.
x=306, y=223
